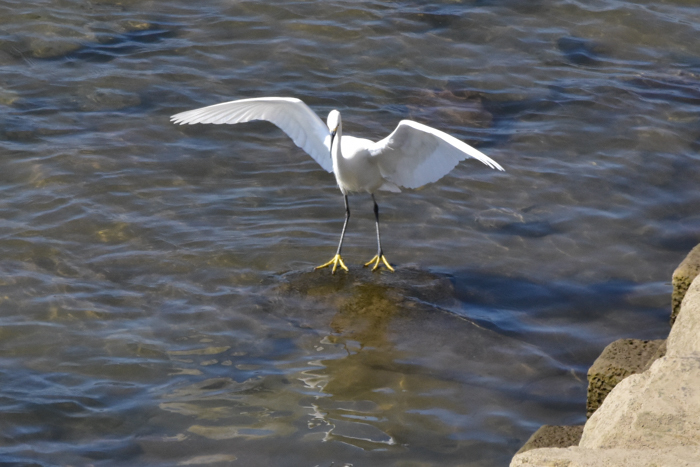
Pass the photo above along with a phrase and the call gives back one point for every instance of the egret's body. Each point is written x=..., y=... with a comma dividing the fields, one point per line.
x=411, y=156
x=354, y=169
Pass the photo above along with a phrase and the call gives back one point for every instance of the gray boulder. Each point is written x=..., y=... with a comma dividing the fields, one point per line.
x=682, y=278
x=620, y=359
x=648, y=419
x=553, y=436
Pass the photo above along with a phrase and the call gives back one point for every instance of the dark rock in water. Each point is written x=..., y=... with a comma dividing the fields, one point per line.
x=681, y=240
x=674, y=86
x=5, y=57
x=17, y=129
x=553, y=436
x=682, y=278
x=580, y=51
x=361, y=305
x=50, y=42
x=362, y=290
x=8, y=97
x=108, y=99
x=127, y=43
x=535, y=229
x=404, y=323
x=524, y=223
x=51, y=48
x=46, y=44
x=433, y=20
x=462, y=107
x=105, y=49
x=620, y=359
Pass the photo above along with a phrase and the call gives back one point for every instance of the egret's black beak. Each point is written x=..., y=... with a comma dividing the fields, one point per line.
x=333, y=137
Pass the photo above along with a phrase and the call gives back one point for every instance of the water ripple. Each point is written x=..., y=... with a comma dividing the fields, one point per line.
x=154, y=302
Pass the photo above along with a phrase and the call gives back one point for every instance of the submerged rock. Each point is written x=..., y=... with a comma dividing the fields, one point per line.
x=529, y=222
x=361, y=305
x=432, y=19
x=453, y=105
x=133, y=39
x=108, y=99
x=364, y=291
x=51, y=47
x=7, y=96
x=679, y=86
x=580, y=51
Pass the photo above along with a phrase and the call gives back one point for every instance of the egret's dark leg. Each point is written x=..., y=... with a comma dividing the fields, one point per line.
x=379, y=257
x=376, y=220
x=345, y=225
x=337, y=259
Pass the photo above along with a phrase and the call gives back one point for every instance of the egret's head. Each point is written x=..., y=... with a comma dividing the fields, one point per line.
x=333, y=121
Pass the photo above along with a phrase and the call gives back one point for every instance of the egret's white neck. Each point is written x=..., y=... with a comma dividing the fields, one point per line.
x=336, y=155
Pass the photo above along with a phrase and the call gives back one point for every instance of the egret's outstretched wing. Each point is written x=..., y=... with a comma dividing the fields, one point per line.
x=291, y=115
x=415, y=154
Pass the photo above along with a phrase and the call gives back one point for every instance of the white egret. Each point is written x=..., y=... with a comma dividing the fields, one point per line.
x=411, y=156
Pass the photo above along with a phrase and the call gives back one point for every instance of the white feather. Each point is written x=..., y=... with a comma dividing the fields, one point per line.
x=411, y=156
x=415, y=154
x=291, y=115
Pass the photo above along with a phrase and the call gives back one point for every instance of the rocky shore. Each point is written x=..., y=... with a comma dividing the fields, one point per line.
x=643, y=398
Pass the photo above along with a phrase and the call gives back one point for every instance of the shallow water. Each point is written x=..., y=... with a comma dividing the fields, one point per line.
x=157, y=302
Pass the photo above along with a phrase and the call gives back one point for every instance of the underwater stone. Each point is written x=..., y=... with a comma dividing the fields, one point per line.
x=51, y=48
x=108, y=99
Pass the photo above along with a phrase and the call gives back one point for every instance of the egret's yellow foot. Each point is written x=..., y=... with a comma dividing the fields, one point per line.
x=335, y=262
x=378, y=260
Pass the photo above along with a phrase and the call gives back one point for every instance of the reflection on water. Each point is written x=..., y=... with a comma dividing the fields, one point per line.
x=351, y=377
x=144, y=315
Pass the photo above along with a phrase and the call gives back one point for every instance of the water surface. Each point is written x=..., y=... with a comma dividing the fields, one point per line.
x=157, y=302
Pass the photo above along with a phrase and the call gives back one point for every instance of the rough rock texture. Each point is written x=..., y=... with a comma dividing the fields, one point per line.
x=682, y=278
x=618, y=360
x=648, y=419
x=554, y=436
x=581, y=457
x=654, y=409
x=684, y=339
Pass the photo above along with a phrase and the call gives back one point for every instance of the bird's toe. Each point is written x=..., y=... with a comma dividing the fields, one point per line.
x=377, y=261
x=335, y=261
